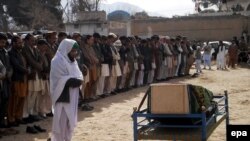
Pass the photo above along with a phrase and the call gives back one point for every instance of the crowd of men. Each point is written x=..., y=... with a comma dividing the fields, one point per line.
x=228, y=57
x=109, y=64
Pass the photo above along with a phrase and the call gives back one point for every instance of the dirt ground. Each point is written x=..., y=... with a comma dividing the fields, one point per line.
x=111, y=119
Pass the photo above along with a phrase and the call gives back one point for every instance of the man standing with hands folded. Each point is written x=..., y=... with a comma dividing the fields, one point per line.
x=65, y=81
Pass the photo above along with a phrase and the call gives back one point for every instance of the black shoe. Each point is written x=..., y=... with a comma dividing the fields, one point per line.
x=181, y=75
x=22, y=121
x=80, y=102
x=43, y=116
x=103, y=96
x=31, y=130
x=13, y=124
x=118, y=90
x=87, y=108
x=28, y=120
x=113, y=93
x=92, y=100
x=106, y=95
x=49, y=139
x=38, y=128
x=89, y=105
x=35, y=118
x=127, y=89
x=49, y=114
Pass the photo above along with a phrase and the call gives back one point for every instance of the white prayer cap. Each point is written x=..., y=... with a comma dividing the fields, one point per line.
x=23, y=36
x=113, y=34
x=167, y=37
x=76, y=34
x=118, y=43
x=161, y=37
x=9, y=41
x=36, y=36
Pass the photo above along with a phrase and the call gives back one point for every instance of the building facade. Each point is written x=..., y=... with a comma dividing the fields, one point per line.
x=89, y=23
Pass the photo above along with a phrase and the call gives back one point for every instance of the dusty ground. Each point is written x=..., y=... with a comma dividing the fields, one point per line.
x=111, y=121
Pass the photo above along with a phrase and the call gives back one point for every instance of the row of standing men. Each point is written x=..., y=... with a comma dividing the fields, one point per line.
x=110, y=64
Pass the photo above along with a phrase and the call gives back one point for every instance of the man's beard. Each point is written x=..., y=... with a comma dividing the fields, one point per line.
x=72, y=59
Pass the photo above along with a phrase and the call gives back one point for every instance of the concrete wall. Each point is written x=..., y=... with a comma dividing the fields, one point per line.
x=93, y=15
x=87, y=28
x=121, y=28
x=199, y=28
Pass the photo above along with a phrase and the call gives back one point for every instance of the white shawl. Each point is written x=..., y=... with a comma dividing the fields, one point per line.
x=61, y=70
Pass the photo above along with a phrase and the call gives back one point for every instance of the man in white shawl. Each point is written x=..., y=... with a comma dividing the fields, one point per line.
x=65, y=81
x=221, y=56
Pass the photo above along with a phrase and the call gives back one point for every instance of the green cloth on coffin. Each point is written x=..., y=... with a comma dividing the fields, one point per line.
x=199, y=96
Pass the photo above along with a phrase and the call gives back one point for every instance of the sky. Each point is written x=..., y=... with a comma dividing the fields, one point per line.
x=166, y=8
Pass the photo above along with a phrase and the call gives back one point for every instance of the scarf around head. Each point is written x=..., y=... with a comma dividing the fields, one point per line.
x=62, y=69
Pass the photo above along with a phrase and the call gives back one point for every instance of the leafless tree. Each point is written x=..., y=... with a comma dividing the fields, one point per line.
x=41, y=17
x=85, y=5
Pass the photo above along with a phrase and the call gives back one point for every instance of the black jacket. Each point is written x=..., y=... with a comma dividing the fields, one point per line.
x=123, y=53
x=19, y=68
x=72, y=82
x=107, y=54
x=34, y=61
x=147, y=52
x=5, y=89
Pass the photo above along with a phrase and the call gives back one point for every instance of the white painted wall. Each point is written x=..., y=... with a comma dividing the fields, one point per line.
x=86, y=29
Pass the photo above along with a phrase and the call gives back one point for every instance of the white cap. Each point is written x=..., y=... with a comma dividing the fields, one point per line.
x=9, y=41
x=118, y=43
x=23, y=36
x=113, y=34
x=38, y=36
x=167, y=37
x=161, y=37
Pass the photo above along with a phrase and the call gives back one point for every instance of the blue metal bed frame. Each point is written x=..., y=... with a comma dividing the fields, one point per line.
x=143, y=122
